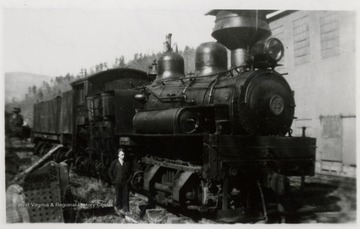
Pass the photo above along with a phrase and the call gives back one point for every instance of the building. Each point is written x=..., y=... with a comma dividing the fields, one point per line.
x=320, y=62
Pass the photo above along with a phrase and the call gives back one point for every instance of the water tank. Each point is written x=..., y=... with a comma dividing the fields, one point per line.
x=210, y=58
x=170, y=66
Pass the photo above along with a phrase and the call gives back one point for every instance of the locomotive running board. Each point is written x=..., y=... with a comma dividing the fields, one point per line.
x=295, y=154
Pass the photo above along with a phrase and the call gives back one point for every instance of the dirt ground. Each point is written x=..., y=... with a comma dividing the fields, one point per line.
x=90, y=190
x=333, y=204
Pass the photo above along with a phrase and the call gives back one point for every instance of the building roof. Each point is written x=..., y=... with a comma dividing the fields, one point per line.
x=271, y=15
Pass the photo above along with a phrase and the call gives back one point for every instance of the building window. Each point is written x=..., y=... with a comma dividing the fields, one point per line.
x=329, y=34
x=301, y=40
x=278, y=32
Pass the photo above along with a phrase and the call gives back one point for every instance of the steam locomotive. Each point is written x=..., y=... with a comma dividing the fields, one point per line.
x=216, y=142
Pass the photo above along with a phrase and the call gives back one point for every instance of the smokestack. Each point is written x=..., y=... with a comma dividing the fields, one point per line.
x=237, y=30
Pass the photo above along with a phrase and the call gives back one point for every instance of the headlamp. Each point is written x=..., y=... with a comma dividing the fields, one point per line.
x=274, y=49
x=266, y=53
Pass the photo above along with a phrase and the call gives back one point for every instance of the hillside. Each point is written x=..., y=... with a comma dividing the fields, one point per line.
x=24, y=89
x=17, y=84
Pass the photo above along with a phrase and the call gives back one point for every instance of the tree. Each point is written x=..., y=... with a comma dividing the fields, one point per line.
x=46, y=86
x=34, y=90
x=40, y=94
x=68, y=77
x=116, y=63
x=58, y=79
x=122, y=62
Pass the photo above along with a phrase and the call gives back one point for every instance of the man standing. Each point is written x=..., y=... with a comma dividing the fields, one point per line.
x=119, y=173
x=16, y=122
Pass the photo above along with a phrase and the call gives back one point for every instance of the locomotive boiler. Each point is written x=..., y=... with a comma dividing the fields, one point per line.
x=220, y=140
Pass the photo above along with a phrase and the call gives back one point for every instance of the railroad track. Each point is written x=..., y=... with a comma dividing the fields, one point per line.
x=330, y=180
x=324, y=201
x=327, y=199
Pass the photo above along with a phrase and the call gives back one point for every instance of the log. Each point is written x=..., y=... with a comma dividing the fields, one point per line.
x=129, y=219
x=19, y=176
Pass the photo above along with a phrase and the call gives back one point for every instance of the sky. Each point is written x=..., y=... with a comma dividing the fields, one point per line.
x=56, y=37
x=57, y=41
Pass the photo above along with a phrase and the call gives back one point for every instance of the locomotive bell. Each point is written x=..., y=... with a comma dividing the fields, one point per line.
x=153, y=70
x=211, y=58
x=170, y=66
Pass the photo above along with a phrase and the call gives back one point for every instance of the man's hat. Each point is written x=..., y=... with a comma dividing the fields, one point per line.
x=16, y=110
